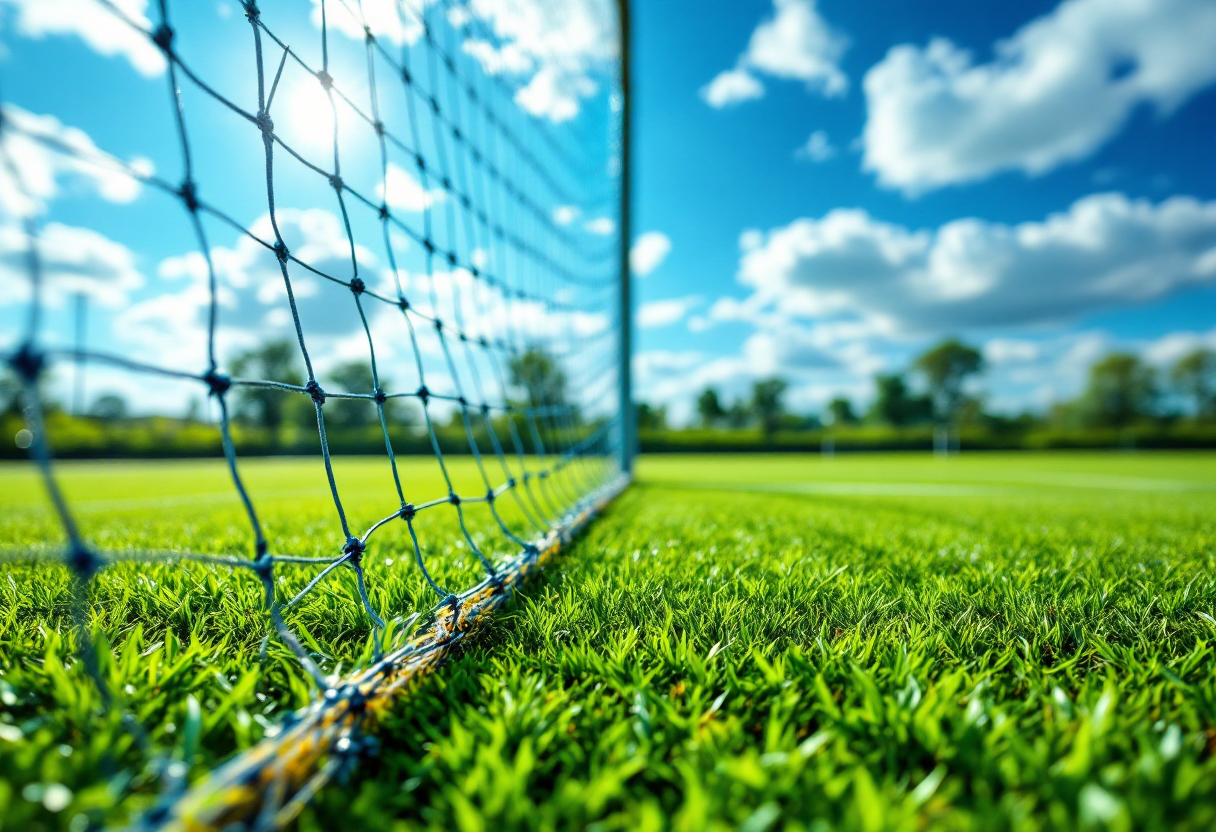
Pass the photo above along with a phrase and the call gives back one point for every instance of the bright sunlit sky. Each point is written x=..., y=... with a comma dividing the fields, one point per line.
x=823, y=188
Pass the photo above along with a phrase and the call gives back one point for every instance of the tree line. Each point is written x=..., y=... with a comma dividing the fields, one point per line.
x=939, y=389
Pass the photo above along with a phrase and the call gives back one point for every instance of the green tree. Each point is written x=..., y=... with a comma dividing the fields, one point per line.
x=767, y=403
x=540, y=376
x=273, y=361
x=109, y=408
x=356, y=377
x=651, y=418
x=1194, y=376
x=1121, y=390
x=895, y=405
x=738, y=414
x=840, y=411
x=709, y=406
x=946, y=369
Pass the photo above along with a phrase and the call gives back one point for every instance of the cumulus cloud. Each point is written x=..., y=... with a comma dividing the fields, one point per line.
x=1056, y=91
x=387, y=19
x=732, y=86
x=73, y=260
x=817, y=148
x=45, y=172
x=795, y=44
x=565, y=214
x=404, y=192
x=603, y=226
x=648, y=252
x=1106, y=250
x=659, y=313
x=103, y=31
x=553, y=51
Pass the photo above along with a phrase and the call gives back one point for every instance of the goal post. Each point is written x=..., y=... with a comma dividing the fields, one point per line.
x=393, y=228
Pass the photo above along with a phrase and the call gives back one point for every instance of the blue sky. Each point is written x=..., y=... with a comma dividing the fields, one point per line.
x=709, y=176
x=823, y=188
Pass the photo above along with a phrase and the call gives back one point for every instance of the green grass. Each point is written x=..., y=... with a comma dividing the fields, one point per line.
x=741, y=642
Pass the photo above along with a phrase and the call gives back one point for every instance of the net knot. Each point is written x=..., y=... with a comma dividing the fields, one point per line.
x=378, y=126
x=405, y=75
x=485, y=343
x=485, y=409
x=189, y=194
x=217, y=383
x=353, y=550
x=263, y=567
x=510, y=482
x=446, y=183
x=429, y=245
x=423, y=393
x=473, y=270
x=454, y=498
x=163, y=38
x=381, y=396
x=383, y=211
x=435, y=105
x=367, y=35
x=456, y=134
x=407, y=512
x=452, y=259
x=404, y=304
x=252, y=12
x=335, y=182
x=281, y=252
x=357, y=285
x=314, y=390
x=27, y=363
x=462, y=401
x=265, y=123
x=327, y=80
x=438, y=325
x=420, y=161
x=490, y=495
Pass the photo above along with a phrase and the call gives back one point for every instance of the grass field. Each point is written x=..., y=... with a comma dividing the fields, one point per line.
x=869, y=642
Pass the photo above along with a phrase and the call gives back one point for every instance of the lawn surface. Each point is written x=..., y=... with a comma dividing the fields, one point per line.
x=866, y=642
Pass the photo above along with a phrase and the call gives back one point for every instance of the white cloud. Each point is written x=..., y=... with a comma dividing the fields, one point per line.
x=817, y=148
x=659, y=313
x=648, y=252
x=1105, y=251
x=602, y=226
x=100, y=28
x=387, y=19
x=1057, y=90
x=44, y=172
x=565, y=214
x=404, y=191
x=732, y=86
x=1010, y=351
x=795, y=44
x=554, y=51
x=72, y=260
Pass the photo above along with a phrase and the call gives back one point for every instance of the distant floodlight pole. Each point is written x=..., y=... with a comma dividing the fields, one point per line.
x=628, y=416
x=81, y=309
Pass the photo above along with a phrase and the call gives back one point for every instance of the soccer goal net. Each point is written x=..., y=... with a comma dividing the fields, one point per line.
x=254, y=228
